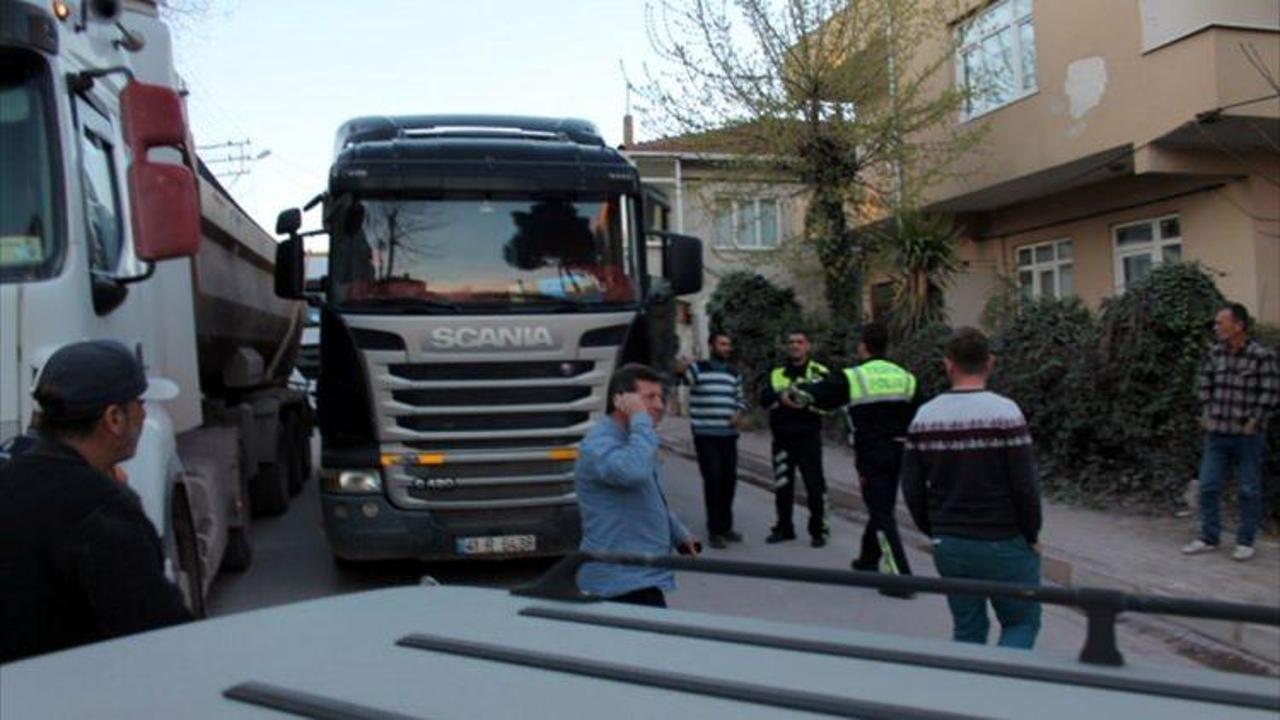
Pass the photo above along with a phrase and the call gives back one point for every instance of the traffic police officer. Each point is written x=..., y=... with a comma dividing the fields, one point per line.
x=797, y=441
x=881, y=398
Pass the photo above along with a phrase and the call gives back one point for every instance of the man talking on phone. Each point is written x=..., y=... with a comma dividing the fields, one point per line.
x=620, y=494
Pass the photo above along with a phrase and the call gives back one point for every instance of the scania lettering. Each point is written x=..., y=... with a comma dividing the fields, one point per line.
x=467, y=338
x=486, y=275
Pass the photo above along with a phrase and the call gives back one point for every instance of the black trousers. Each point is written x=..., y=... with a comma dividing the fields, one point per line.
x=650, y=596
x=718, y=462
x=880, y=493
x=803, y=453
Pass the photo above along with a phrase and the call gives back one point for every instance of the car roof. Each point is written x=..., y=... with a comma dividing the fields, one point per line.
x=468, y=652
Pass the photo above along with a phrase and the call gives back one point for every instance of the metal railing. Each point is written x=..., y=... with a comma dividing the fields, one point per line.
x=1100, y=606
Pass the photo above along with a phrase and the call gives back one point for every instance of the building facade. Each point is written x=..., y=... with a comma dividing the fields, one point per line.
x=1120, y=134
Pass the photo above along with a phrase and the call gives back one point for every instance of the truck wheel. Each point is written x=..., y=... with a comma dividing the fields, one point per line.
x=270, y=496
x=300, y=447
x=239, y=553
x=190, y=565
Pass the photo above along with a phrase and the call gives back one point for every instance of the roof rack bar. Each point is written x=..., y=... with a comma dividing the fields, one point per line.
x=681, y=682
x=1101, y=606
x=1082, y=678
x=308, y=705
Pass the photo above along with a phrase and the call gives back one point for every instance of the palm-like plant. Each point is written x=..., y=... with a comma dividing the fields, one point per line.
x=918, y=251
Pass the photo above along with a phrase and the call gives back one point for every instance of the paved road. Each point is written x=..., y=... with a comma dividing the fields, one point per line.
x=292, y=563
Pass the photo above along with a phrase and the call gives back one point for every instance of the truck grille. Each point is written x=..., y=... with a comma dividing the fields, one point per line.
x=492, y=421
x=494, y=443
x=491, y=371
x=309, y=361
x=512, y=469
x=513, y=491
x=497, y=396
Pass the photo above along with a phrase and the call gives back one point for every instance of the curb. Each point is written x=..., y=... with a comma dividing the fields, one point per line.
x=1241, y=647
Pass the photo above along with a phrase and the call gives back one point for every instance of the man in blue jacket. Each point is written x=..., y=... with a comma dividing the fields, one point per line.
x=620, y=496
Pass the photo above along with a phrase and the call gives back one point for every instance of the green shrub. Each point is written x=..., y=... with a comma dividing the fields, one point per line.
x=1046, y=361
x=1152, y=341
x=921, y=353
x=1270, y=335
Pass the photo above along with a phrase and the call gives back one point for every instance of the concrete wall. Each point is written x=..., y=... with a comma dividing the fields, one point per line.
x=1098, y=89
x=1217, y=230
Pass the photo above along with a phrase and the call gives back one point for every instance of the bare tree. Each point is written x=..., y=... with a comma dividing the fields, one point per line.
x=837, y=95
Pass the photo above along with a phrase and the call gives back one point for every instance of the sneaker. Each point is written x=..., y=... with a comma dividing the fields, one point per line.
x=900, y=594
x=1198, y=546
x=733, y=536
x=718, y=542
x=818, y=541
x=777, y=536
x=861, y=566
x=1242, y=552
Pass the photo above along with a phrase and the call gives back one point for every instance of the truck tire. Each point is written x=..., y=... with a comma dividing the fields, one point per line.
x=190, y=564
x=239, y=553
x=300, y=447
x=270, y=489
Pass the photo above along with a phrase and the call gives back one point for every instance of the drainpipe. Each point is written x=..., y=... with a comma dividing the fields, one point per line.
x=679, y=198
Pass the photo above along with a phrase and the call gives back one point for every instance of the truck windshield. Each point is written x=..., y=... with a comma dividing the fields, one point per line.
x=463, y=254
x=29, y=245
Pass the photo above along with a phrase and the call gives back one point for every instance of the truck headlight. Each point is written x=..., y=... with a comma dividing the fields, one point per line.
x=351, y=482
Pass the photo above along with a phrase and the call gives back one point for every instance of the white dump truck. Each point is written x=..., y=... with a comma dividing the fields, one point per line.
x=110, y=228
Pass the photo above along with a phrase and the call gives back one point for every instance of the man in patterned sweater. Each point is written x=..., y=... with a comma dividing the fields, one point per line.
x=1239, y=389
x=969, y=478
x=716, y=404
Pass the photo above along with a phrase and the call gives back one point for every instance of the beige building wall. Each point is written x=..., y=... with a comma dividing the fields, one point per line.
x=1215, y=232
x=1111, y=135
x=1098, y=91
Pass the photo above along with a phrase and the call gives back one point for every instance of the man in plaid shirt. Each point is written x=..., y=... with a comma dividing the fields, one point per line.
x=1239, y=388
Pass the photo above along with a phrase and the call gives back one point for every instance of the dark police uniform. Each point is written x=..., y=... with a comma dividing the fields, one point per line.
x=882, y=398
x=79, y=561
x=797, y=444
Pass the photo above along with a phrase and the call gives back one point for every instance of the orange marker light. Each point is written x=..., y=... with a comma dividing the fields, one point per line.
x=563, y=454
x=60, y=10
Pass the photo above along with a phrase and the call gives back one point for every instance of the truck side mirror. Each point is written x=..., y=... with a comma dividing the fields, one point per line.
x=288, y=221
x=290, y=269
x=164, y=199
x=681, y=262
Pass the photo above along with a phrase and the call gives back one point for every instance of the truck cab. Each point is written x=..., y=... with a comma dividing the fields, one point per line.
x=486, y=275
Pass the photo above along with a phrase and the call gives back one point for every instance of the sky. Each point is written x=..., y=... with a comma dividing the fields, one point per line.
x=285, y=74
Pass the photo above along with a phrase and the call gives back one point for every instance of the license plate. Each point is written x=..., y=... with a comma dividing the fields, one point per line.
x=492, y=544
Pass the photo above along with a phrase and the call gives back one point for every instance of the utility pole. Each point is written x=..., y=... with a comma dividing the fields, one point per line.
x=231, y=159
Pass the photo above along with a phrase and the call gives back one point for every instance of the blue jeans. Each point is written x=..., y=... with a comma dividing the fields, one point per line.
x=1221, y=453
x=1011, y=561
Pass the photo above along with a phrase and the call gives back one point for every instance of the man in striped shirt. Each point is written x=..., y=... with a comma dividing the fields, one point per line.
x=1239, y=389
x=715, y=410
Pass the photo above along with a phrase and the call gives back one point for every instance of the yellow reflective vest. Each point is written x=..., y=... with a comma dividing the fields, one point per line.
x=879, y=381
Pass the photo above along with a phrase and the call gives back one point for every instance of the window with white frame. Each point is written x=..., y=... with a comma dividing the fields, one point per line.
x=1140, y=246
x=996, y=60
x=1046, y=269
x=747, y=223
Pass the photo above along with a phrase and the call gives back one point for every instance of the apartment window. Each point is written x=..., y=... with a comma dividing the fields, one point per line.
x=1046, y=269
x=1142, y=245
x=747, y=223
x=996, y=62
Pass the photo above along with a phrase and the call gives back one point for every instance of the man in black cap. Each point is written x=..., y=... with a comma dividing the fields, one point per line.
x=79, y=561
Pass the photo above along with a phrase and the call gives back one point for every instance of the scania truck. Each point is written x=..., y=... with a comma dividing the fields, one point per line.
x=486, y=276
x=110, y=228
